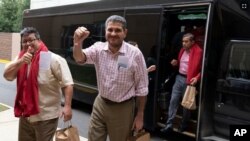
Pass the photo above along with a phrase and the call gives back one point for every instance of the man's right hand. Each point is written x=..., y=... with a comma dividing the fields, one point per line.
x=26, y=58
x=174, y=62
x=81, y=33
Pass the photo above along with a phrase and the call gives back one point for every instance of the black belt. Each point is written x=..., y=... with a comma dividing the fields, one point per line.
x=113, y=102
x=183, y=75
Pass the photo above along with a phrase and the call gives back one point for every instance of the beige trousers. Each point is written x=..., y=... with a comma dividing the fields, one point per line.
x=37, y=131
x=111, y=119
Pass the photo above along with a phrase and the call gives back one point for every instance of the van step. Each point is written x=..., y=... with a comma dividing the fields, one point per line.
x=214, y=138
x=190, y=134
x=191, y=120
x=192, y=124
x=185, y=133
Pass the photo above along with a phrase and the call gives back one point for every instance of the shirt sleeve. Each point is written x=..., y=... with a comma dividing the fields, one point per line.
x=61, y=71
x=92, y=52
x=141, y=76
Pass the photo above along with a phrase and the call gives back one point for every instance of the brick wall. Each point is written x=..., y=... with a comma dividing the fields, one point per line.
x=9, y=45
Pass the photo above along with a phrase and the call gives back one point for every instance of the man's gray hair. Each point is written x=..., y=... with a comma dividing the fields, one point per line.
x=28, y=30
x=189, y=35
x=116, y=18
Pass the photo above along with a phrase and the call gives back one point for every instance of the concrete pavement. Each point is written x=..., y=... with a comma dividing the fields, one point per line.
x=9, y=125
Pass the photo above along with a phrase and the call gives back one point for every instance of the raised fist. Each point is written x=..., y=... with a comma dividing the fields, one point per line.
x=81, y=33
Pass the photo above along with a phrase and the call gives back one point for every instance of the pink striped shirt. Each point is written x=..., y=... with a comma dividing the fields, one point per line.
x=115, y=81
x=184, y=62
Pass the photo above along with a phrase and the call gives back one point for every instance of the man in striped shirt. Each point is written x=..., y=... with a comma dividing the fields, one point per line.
x=121, y=76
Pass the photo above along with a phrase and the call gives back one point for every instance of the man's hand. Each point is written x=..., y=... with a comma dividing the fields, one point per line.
x=66, y=113
x=193, y=81
x=151, y=68
x=26, y=58
x=138, y=123
x=80, y=34
x=174, y=62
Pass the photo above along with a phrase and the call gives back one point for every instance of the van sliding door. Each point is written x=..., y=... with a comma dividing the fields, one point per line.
x=143, y=27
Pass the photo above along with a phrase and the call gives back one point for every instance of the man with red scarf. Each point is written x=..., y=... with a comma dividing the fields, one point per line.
x=41, y=77
x=189, y=63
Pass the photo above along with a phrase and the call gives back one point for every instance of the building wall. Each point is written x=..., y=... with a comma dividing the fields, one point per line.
x=16, y=45
x=9, y=45
x=37, y=4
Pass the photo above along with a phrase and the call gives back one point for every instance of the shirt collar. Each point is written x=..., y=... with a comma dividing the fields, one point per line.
x=122, y=50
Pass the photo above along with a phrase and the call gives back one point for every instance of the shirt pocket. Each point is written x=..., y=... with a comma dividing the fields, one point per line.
x=125, y=75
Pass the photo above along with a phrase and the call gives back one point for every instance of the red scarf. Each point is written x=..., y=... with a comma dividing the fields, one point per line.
x=26, y=103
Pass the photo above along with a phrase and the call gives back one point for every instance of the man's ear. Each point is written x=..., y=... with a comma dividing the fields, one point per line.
x=126, y=31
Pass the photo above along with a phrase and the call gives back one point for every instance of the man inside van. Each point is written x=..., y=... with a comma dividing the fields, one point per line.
x=121, y=75
x=189, y=64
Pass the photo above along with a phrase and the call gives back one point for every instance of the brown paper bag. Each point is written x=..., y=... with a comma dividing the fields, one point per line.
x=69, y=133
x=188, y=100
x=141, y=136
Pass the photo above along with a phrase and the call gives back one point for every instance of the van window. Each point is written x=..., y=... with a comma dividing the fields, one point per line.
x=238, y=71
x=239, y=61
x=235, y=69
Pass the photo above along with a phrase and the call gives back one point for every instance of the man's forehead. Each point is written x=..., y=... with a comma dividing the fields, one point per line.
x=186, y=38
x=114, y=23
x=27, y=35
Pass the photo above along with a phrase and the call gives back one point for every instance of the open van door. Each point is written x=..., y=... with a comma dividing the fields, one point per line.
x=143, y=28
x=180, y=19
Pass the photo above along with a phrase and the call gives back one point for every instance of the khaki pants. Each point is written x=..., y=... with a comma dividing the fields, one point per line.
x=37, y=131
x=112, y=119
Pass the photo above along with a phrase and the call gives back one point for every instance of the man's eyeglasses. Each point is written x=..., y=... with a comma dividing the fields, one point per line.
x=28, y=41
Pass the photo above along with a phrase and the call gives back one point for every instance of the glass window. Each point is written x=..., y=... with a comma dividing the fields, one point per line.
x=239, y=61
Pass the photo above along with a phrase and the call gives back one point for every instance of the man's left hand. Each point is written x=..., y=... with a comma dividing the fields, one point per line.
x=193, y=81
x=138, y=123
x=66, y=113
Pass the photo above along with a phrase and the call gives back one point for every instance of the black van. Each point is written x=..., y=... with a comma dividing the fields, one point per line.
x=224, y=90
